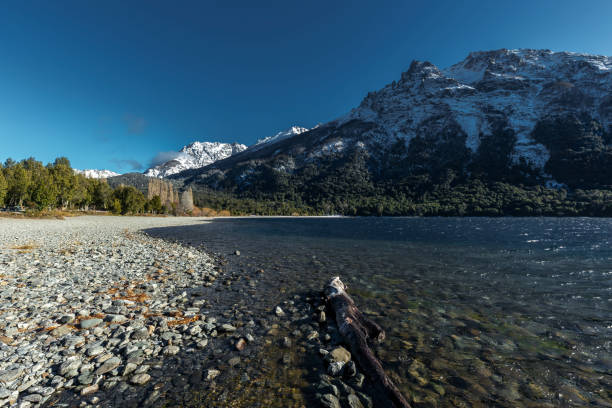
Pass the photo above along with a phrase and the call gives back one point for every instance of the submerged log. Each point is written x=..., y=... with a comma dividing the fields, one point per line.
x=356, y=329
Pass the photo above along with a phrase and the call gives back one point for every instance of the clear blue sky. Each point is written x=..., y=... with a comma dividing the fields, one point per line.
x=109, y=84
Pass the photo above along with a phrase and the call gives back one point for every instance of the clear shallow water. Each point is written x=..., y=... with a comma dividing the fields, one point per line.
x=478, y=312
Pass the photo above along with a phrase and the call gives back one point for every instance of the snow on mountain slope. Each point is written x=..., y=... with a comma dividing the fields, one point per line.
x=195, y=155
x=528, y=116
x=200, y=154
x=517, y=87
x=292, y=131
x=96, y=174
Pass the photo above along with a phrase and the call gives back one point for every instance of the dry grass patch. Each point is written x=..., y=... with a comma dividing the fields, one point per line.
x=50, y=328
x=133, y=296
x=94, y=316
x=185, y=320
x=6, y=340
x=25, y=247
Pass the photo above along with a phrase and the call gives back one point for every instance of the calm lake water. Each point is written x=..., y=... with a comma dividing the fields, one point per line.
x=478, y=311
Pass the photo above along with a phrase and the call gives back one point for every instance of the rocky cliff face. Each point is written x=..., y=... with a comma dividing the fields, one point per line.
x=170, y=192
x=520, y=116
x=164, y=190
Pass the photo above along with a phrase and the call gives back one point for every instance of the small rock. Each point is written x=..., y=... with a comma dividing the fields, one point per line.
x=171, y=350
x=228, y=328
x=241, y=344
x=85, y=378
x=312, y=335
x=67, y=366
x=335, y=368
x=354, y=402
x=108, y=365
x=67, y=318
x=129, y=368
x=35, y=398
x=74, y=341
x=325, y=387
x=140, y=379
x=340, y=354
x=10, y=375
x=153, y=396
x=212, y=373
x=237, y=252
x=90, y=389
x=115, y=318
x=350, y=369
x=330, y=401
x=61, y=331
x=140, y=334
x=89, y=323
x=95, y=350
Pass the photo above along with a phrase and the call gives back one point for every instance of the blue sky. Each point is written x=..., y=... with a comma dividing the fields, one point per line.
x=110, y=84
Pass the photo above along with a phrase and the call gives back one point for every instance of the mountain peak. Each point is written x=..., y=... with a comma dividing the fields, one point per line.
x=195, y=155
x=421, y=71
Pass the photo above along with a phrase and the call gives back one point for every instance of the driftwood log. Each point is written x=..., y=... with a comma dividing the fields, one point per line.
x=356, y=329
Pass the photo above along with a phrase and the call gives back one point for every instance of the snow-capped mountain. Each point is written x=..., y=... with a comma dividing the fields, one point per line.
x=532, y=116
x=292, y=131
x=195, y=155
x=96, y=174
x=516, y=87
x=200, y=154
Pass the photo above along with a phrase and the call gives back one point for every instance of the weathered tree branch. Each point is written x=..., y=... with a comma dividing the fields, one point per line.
x=356, y=329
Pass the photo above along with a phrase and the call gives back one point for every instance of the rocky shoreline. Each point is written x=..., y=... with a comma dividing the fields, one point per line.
x=88, y=304
x=96, y=313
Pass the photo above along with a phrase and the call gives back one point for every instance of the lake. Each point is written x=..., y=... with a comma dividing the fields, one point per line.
x=513, y=312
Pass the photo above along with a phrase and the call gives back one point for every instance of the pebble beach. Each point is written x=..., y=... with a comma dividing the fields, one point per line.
x=89, y=303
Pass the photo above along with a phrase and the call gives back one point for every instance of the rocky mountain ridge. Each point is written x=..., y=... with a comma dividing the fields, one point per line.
x=292, y=131
x=201, y=154
x=195, y=155
x=522, y=116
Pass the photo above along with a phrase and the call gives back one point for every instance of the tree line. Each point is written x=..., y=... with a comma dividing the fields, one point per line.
x=31, y=185
x=348, y=186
